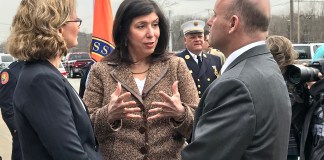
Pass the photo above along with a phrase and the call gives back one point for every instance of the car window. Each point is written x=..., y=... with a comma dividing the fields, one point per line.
x=7, y=59
x=303, y=52
x=315, y=47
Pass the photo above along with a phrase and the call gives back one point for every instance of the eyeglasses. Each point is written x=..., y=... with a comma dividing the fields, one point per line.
x=77, y=20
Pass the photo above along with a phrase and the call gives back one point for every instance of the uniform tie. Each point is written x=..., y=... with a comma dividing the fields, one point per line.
x=199, y=61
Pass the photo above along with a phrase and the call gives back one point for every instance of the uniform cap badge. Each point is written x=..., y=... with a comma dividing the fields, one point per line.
x=4, y=77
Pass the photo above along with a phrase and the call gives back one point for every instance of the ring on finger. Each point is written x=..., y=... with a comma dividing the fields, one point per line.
x=161, y=109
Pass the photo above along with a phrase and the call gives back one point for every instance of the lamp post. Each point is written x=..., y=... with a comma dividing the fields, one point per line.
x=298, y=25
x=291, y=20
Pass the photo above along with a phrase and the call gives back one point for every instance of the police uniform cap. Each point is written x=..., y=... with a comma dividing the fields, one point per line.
x=194, y=26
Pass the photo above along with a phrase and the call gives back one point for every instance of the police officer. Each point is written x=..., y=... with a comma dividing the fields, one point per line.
x=204, y=68
x=9, y=77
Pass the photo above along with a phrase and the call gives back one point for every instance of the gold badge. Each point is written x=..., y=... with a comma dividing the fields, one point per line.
x=187, y=57
x=215, y=71
x=4, y=77
x=195, y=23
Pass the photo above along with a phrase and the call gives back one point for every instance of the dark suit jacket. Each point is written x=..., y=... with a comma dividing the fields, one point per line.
x=51, y=121
x=83, y=79
x=245, y=114
x=6, y=95
x=208, y=72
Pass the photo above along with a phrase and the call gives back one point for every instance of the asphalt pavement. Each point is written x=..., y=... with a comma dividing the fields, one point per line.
x=5, y=136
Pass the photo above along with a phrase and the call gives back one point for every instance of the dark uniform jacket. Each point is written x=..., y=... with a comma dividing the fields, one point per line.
x=83, y=80
x=208, y=72
x=8, y=83
x=312, y=139
x=50, y=117
x=245, y=114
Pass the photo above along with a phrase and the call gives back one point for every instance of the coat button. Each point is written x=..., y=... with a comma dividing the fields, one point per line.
x=142, y=130
x=145, y=149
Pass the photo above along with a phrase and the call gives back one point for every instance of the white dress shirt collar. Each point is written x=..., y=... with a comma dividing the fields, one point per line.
x=238, y=52
x=194, y=56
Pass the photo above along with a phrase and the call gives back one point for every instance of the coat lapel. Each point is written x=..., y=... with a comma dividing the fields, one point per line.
x=204, y=65
x=157, y=71
x=123, y=75
x=191, y=63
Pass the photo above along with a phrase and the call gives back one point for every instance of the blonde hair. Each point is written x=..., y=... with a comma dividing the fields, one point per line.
x=34, y=30
x=282, y=51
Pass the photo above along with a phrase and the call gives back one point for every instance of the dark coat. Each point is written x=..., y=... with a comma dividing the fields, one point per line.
x=84, y=78
x=312, y=139
x=208, y=72
x=244, y=114
x=9, y=78
x=51, y=119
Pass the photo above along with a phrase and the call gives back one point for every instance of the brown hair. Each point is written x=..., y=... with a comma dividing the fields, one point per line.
x=34, y=30
x=282, y=51
x=127, y=11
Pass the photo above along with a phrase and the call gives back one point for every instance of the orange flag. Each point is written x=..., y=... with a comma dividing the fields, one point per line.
x=102, y=39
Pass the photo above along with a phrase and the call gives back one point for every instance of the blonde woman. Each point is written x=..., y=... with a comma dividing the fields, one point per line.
x=52, y=121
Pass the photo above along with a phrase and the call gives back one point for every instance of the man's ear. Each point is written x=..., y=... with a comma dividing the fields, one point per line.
x=233, y=24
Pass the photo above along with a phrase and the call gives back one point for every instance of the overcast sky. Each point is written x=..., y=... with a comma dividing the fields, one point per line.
x=85, y=11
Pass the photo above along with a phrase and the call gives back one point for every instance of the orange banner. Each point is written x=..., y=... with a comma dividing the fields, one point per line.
x=102, y=39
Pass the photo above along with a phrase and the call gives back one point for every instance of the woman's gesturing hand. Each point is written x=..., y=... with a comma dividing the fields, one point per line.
x=170, y=108
x=120, y=108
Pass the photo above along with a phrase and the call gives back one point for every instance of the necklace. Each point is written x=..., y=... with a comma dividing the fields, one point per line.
x=140, y=72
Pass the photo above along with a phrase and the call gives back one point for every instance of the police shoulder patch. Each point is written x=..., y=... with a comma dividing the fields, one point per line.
x=4, y=77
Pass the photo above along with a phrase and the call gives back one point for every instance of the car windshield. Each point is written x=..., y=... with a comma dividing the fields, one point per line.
x=79, y=56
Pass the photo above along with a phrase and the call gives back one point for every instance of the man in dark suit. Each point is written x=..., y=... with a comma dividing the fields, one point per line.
x=204, y=68
x=245, y=113
x=8, y=84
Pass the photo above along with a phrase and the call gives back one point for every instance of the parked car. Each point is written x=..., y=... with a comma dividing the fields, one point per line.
x=5, y=60
x=306, y=51
x=74, y=62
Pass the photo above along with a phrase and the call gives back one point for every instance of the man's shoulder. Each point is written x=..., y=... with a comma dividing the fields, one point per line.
x=182, y=54
x=211, y=56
